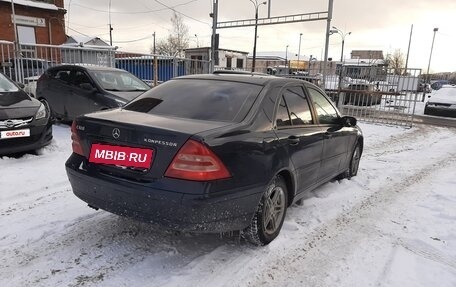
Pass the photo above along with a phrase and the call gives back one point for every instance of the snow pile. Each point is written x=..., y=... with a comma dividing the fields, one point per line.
x=392, y=225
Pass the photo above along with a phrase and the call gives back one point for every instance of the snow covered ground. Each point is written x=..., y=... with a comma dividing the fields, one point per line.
x=392, y=225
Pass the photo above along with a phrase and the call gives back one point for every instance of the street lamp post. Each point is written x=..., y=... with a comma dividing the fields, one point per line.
x=430, y=55
x=335, y=30
x=197, y=42
x=256, y=4
x=299, y=49
x=429, y=64
x=286, y=56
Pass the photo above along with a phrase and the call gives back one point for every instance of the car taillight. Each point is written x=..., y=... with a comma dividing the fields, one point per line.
x=76, y=141
x=195, y=161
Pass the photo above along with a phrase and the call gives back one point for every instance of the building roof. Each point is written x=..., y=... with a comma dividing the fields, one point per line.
x=34, y=4
x=363, y=62
x=203, y=49
x=267, y=58
x=87, y=41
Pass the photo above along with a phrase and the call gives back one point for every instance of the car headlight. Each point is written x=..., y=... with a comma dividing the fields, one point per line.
x=41, y=112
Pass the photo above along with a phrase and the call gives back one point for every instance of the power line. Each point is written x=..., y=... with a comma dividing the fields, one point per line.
x=133, y=12
x=78, y=32
x=131, y=41
x=180, y=13
x=90, y=27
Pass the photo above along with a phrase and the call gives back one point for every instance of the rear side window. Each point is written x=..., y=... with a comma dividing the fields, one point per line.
x=210, y=100
x=293, y=108
x=60, y=74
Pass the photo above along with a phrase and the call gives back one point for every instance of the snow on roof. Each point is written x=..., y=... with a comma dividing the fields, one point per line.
x=364, y=62
x=87, y=41
x=34, y=4
x=446, y=94
x=208, y=48
x=81, y=39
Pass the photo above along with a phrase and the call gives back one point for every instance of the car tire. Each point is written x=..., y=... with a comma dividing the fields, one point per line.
x=354, y=164
x=270, y=214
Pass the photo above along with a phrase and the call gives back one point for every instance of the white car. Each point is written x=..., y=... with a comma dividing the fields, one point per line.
x=442, y=102
x=383, y=86
x=30, y=85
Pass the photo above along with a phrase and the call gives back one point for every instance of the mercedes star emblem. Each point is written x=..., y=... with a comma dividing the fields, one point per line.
x=116, y=133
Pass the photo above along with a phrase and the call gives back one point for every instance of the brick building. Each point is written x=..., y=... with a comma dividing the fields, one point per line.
x=37, y=22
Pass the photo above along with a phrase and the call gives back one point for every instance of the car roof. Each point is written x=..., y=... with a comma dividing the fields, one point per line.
x=86, y=67
x=251, y=78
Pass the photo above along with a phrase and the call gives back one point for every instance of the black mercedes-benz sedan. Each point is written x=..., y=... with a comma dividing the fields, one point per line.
x=213, y=153
x=24, y=121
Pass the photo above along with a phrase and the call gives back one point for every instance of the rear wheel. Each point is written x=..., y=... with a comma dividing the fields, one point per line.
x=269, y=217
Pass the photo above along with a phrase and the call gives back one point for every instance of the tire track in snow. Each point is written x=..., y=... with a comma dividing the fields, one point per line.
x=312, y=260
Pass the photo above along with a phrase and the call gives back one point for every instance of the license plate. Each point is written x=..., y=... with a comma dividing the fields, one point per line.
x=15, y=134
x=121, y=155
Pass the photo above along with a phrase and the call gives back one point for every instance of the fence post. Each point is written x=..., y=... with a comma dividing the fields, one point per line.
x=175, y=67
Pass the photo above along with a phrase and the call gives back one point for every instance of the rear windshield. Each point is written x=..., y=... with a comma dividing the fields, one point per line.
x=210, y=100
x=118, y=81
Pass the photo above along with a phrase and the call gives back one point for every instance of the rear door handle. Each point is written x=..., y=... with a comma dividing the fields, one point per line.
x=293, y=140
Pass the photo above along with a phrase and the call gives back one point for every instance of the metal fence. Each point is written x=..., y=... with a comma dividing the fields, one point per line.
x=32, y=60
x=370, y=93
x=373, y=94
x=376, y=94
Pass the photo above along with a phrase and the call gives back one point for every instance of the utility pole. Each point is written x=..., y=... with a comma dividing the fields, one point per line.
x=155, y=64
x=328, y=28
x=17, y=47
x=110, y=26
x=256, y=29
x=214, y=33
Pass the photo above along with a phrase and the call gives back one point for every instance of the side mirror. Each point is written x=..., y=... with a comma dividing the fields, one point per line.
x=22, y=86
x=87, y=87
x=348, y=121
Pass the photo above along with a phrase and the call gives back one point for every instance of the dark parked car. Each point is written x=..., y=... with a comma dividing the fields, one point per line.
x=438, y=84
x=442, y=102
x=71, y=90
x=24, y=121
x=362, y=95
x=213, y=153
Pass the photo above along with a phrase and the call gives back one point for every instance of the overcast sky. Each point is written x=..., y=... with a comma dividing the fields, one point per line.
x=375, y=25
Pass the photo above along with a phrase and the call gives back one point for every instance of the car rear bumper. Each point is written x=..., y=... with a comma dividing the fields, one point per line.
x=440, y=111
x=152, y=202
x=40, y=136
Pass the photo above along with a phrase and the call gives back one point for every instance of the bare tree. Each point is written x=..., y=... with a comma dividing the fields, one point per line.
x=396, y=61
x=177, y=41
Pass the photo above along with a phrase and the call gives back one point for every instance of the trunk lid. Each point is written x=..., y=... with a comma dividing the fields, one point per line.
x=163, y=135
